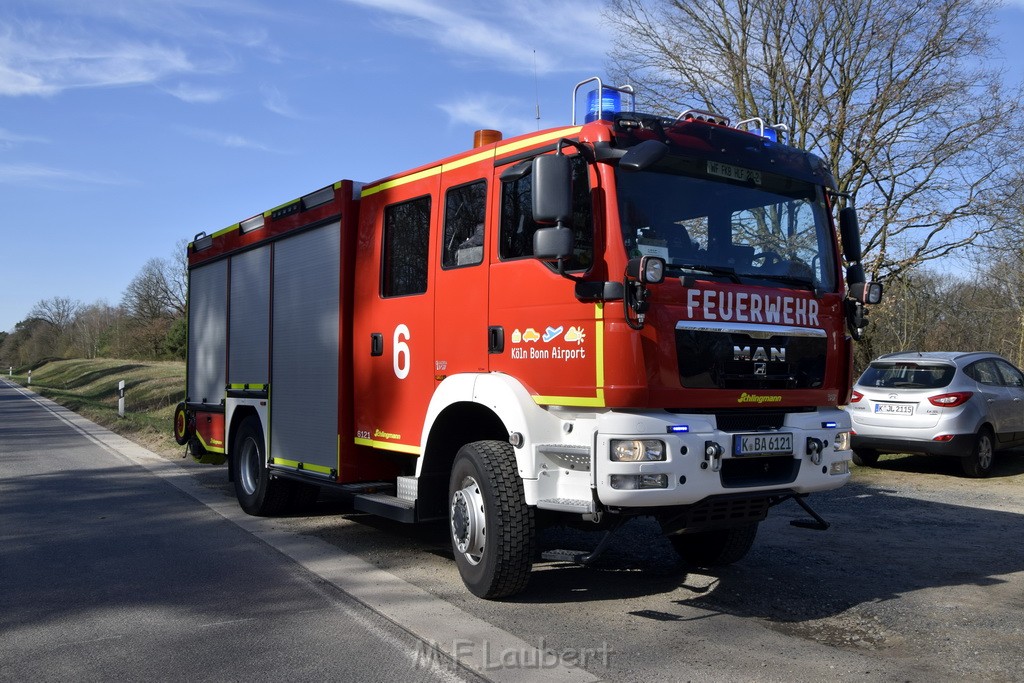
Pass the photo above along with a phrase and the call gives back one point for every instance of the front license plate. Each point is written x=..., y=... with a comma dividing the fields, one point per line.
x=762, y=444
x=895, y=408
x=746, y=175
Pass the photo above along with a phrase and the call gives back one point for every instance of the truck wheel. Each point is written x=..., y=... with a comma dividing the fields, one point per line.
x=491, y=527
x=979, y=462
x=863, y=457
x=715, y=548
x=257, y=493
x=184, y=425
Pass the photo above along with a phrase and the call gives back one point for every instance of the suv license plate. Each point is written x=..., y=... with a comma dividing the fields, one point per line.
x=895, y=408
x=762, y=444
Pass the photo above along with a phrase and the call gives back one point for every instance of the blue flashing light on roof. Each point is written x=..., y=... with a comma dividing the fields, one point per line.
x=604, y=107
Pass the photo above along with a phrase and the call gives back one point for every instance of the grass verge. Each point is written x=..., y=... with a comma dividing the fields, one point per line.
x=89, y=388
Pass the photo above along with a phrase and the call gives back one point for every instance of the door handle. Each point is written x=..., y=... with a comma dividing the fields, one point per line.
x=376, y=344
x=495, y=339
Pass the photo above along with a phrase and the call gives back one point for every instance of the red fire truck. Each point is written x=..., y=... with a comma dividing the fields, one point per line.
x=630, y=315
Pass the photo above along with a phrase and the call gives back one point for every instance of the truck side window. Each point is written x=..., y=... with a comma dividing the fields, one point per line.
x=406, y=245
x=517, y=225
x=464, y=225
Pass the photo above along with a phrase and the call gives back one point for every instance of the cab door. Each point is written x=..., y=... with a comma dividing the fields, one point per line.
x=393, y=321
x=460, y=304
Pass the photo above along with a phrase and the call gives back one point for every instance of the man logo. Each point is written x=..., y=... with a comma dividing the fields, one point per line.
x=760, y=353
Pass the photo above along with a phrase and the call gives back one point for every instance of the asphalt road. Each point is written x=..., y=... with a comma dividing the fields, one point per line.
x=108, y=572
x=920, y=578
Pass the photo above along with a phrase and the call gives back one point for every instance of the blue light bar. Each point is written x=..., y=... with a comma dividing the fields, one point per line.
x=679, y=429
x=603, y=108
x=829, y=425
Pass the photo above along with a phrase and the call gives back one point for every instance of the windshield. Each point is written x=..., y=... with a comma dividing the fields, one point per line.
x=898, y=375
x=728, y=221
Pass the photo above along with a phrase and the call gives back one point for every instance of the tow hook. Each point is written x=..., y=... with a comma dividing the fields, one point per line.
x=712, y=456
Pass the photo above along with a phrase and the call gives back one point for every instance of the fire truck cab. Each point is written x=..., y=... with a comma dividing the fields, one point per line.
x=630, y=315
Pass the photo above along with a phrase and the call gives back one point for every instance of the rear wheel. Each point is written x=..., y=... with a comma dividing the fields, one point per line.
x=979, y=462
x=490, y=525
x=184, y=424
x=715, y=548
x=864, y=457
x=257, y=492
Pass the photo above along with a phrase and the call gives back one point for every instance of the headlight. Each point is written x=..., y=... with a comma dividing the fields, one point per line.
x=842, y=442
x=637, y=450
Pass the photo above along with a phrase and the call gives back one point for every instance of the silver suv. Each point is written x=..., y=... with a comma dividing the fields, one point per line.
x=967, y=405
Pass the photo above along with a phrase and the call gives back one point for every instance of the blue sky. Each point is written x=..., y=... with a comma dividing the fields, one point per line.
x=128, y=125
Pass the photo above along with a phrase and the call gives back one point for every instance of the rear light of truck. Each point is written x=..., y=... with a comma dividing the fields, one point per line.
x=950, y=400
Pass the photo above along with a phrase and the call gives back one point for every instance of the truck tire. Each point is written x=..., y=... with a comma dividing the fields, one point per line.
x=863, y=457
x=490, y=525
x=715, y=548
x=258, y=494
x=184, y=425
x=979, y=462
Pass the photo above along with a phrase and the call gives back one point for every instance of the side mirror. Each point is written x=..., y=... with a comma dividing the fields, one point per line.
x=642, y=156
x=552, y=244
x=552, y=189
x=866, y=292
x=850, y=233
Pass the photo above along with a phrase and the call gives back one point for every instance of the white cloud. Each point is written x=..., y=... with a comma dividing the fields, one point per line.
x=7, y=138
x=194, y=94
x=35, y=175
x=41, y=61
x=276, y=102
x=521, y=37
x=491, y=111
x=230, y=140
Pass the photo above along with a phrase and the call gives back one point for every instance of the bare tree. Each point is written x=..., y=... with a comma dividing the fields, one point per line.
x=59, y=312
x=158, y=291
x=92, y=328
x=898, y=95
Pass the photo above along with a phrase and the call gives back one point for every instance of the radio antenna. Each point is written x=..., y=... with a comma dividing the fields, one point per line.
x=536, y=87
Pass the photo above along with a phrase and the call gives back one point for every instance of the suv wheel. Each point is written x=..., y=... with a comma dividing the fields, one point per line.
x=979, y=462
x=863, y=457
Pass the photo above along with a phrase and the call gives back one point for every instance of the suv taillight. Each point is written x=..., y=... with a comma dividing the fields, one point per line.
x=855, y=396
x=950, y=400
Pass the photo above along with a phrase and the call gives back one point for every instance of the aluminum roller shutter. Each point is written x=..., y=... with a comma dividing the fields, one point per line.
x=304, y=382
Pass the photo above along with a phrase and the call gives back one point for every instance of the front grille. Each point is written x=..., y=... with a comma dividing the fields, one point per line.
x=750, y=420
x=723, y=359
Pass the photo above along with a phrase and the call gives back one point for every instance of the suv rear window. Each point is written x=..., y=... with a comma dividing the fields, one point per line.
x=907, y=375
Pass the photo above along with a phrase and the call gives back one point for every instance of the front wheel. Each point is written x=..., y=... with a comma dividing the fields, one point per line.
x=979, y=462
x=491, y=527
x=715, y=548
x=258, y=494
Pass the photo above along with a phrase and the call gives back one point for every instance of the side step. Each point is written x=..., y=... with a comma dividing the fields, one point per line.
x=384, y=505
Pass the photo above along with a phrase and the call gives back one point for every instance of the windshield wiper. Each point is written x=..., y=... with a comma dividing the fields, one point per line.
x=787, y=279
x=722, y=271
